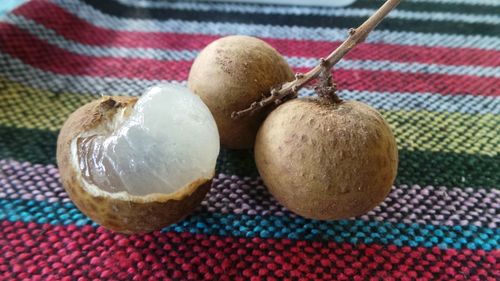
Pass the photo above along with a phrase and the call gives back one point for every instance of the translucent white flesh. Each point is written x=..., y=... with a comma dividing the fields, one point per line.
x=168, y=141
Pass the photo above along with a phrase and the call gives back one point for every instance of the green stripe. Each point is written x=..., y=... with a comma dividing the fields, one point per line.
x=423, y=130
x=36, y=146
x=415, y=167
x=461, y=8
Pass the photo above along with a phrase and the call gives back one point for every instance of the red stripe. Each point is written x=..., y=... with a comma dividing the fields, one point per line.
x=51, y=58
x=81, y=31
x=48, y=252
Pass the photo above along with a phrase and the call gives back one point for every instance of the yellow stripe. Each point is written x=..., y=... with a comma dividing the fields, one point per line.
x=446, y=131
x=26, y=107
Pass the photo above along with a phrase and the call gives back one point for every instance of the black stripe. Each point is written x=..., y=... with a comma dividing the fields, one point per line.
x=415, y=167
x=459, y=8
x=119, y=10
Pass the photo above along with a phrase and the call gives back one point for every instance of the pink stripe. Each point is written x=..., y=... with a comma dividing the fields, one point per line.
x=66, y=24
x=47, y=252
x=54, y=59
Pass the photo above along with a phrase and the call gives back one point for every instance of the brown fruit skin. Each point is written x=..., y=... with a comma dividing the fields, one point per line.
x=326, y=161
x=230, y=74
x=137, y=215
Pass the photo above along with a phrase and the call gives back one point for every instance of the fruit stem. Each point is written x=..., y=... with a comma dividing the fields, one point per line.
x=290, y=89
x=326, y=89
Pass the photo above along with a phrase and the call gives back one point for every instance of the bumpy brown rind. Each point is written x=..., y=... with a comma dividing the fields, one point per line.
x=126, y=216
x=230, y=74
x=326, y=161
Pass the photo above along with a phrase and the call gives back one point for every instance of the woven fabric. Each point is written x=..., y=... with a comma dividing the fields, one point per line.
x=432, y=69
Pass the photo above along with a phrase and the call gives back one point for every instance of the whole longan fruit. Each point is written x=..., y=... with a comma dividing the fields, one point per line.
x=231, y=73
x=326, y=160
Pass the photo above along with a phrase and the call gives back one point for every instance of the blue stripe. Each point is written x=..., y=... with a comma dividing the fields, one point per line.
x=350, y=231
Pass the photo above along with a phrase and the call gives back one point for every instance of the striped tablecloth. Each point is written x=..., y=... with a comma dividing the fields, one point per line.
x=432, y=69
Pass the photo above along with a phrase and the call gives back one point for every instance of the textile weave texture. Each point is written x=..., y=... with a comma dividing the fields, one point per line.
x=432, y=69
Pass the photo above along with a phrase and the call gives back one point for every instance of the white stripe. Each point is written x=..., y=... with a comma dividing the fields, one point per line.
x=327, y=3
x=16, y=70
x=413, y=67
x=53, y=38
x=321, y=11
x=494, y=3
x=148, y=3
x=421, y=101
x=97, y=18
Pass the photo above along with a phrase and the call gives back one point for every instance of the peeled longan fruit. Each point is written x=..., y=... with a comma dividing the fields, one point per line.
x=231, y=73
x=137, y=165
x=326, y=160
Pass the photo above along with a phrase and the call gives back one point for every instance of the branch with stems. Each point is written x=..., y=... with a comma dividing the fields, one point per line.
x=290, y=89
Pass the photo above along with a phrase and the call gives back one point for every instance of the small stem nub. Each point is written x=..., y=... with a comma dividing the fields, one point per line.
x=323, y=62
x=326, y=88
x=299, y=75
